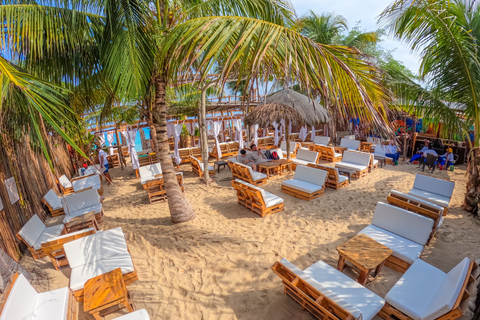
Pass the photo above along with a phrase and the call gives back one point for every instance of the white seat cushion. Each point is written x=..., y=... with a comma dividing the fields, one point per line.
x=337, y=154
x=53, y=200
x=431, y=197
x=346, y=288
x=21, y=301
x=52, y=305
x=342, y=178
x=433, y=185
x=257, y=175
x=404, y=249
x=271, y=199
x=302, y=185
x=321, y=140
x=311, y=175
x=87, y=182
x=141, y=314
x=63, y=180
x=149, y=172
x=48, y=234
x=306, y=155
x=375, y=162
x=32, y=230
x=82, y=273
x=300, y=162
x=350, y=166
x=97, y=208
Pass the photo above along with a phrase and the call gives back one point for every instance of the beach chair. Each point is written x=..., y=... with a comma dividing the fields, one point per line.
x=156, y=188
x=88, y=181
x=141, y=314
x=430, y=161
x=197, y=167
x=357, y=162
x=184, y=154
x=78, y=204
x=304, y=157
x=293, y=148
x=97, y=254
x=113, y=160
x=420, y=206
x=329, y=154
x=246, y=173
x=149, y=172
x=380, y=153
x=65, y=185
x=327, y=293
x=260, y=201
x=425, y=292
x=350, y=144
x=405, y=232
x=307, y=184
x=334, y=179
x=434, y=190
x=23, y=302
x=53, y=203
x=196, y=152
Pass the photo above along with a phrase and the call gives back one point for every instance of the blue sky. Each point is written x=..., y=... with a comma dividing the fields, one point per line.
x=365, y=11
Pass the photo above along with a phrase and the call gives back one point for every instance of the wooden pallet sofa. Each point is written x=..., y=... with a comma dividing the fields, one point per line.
x=327, y=293
x=256, y=199
x=88, y=181
x=373, y=162
x=304, y=157
x=53, y=203
x=321, y=140
x=425, y=292
x=197, y=167
x=113, y=160
x=23, y=302
x=356, y=162
x=420, y=206
x=149, y=172
x=141, y=314
x=266, y=142
x=246, y=173
x=294, y=146
x=227, y=148
x=350, y=144
x=328, y=153
x=434, y=190
x=308, y=183
x=156, y=190
x=97, y=254
x=405, y=232
x=81, y=203
x=65, y=185
x=334, y=179
x=185, y=154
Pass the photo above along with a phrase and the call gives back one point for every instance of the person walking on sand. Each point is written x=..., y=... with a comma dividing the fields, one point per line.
x=102, y=157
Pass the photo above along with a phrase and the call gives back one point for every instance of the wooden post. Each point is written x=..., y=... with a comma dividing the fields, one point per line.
x=203, y=132
x=287, y=137
x=405, y=138
x=119, y=149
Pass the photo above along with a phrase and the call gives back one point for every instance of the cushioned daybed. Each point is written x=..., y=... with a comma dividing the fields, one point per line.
x=83, y=202
x=91, y=181
x=308, y=183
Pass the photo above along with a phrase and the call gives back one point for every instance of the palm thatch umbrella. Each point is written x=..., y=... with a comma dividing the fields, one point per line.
x=293, y=107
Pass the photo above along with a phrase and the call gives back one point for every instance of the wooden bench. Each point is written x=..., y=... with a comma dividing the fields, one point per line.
x=197, y=167
x=227, y=149
x=328, y=153
x=255, y=199
x=156, y=188
x=334, y=179
x=246, y=173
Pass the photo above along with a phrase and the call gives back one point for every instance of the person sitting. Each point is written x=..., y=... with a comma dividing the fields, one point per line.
x=419, y=153
x=392, y=152
x=246, y=159
x=427, y=152
x=447, y=158
x=257, y=155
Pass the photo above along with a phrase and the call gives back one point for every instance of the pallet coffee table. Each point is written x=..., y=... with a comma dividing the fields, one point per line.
x=365, y=254
x=269, y=167
x=105, y=291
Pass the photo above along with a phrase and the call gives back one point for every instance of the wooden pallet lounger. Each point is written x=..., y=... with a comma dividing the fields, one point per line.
x=355, y=161
x=197, y=167
x=334, y=179
x=156, y=188
x=307, y=184
x=88, y=181
x=434, y=190
x=246, y=173
x=53, y=203
x=83, y=202
x=256, y=199
x=227, y=149
x=305, y=157
x=65, y=185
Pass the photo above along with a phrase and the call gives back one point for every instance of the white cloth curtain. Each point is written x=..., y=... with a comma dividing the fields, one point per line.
x=238, y=132
x=177, y=130
x=110, y=138
x=170, y=129
x=216, y=127
x=124, y=138
x=255, y=134
x=191, y=126
x=277, y=133
x=131, y=137
x=101, y=137
x=312, y=136
x=302, y=135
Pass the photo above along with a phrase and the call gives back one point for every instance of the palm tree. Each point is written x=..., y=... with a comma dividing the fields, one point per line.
x=322, y=28
x=445, y=34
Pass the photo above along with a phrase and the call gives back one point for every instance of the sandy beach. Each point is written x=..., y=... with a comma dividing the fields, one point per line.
x=218, y=265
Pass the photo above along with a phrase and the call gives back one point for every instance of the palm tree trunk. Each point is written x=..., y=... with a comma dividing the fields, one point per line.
x=180, y=208
x=472, y=195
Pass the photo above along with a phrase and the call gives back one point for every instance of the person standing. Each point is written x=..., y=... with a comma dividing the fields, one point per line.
x=102, y=157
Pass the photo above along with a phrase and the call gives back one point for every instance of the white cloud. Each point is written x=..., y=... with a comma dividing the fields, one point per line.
x=367, y=12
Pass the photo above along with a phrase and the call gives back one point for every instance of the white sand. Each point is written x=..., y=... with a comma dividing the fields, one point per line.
x=218, y=266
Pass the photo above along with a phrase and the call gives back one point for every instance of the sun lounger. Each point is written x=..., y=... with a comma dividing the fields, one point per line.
x=307, y=184
x=293, y=148
x=97, y=254
x=427, y=293
x=81, y=203
x=328, y=293
x=405, y=232
x=420, y=206
x=321, y=140
x=258, y=200
x=65, y=185
x=53, y=203
x=350, y=144
x=435, y=190
x=305, y=157
x=245, y=173
x=141, y=314
x=156, y=188
x=334, y=179
x=149, y=172
x=356, y=162
x=197, y=167
x=88, y=181
x=23, y=302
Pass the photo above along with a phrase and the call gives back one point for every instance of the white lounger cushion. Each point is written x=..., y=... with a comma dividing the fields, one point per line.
x=356, y=158
x=53, y=200
x=283, y=146
x=431, y=197
x=63, y=180
x=307, y=156
x=87, y=182
x=49, y=234
x=32, y=230
x=307, y=179
x=25, y=303
x=422, y=201
x=80, y=203
x=200, y=164
x=350, y=166
x=300, y=162
x=321, y=140
x=97, y=208
x=149, y=172
x=425, y=292
x=255, y=175
x=404, y=249
x=141, y=314
x=433, y=185
x=302, y=185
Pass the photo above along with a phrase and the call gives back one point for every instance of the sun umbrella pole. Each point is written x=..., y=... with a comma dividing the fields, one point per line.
x=287, y=136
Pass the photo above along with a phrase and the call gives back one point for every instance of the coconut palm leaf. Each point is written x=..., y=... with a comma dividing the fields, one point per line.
x=322, y=28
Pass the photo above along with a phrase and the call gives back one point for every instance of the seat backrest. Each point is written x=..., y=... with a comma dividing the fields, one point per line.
x=199, y=163
x=64, y=182
x=79, y=201
x=52, y=198
x=425, y=203
x=306, y=155
x=20, y=303
x=88, y=181
x=434, y=185
x=98, y=246
x=370, y=139
x=350, y=143
x=449, y=291
x=322, y=140
x=32, y=230
x=332, y=172
x=404, y=223
x=358, y=158
x=283, y=146
x=311, y=175
x=380, y=150
x=150, y=171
